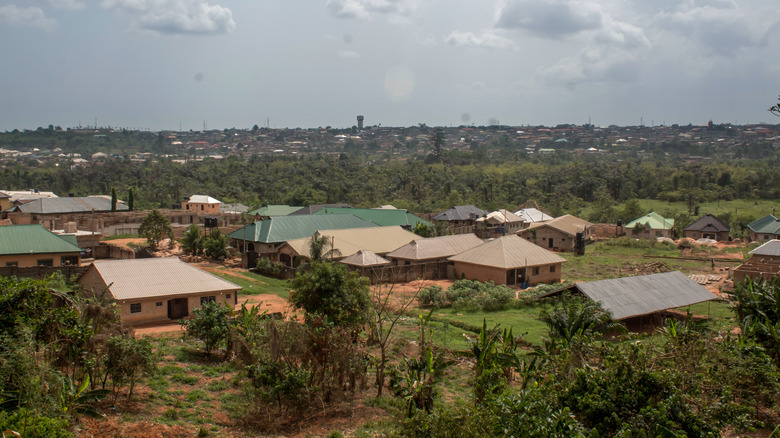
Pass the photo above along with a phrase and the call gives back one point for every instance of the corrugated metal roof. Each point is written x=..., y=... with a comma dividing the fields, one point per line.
x=32, y=239
x=460, y=213
x=653, y=220
x=567, y=224
x=275, y=210
x=364, y=258
x=380, y=217
x=768, y=224
x=501, y=217
x=708, y=222
x=311, y=209
x=380, y=240
x=157, y=277
x=508, y=252
x=636, y=296
x=283, y=228
x=69, y=205
x=203, y=199
x=532, y=215
x=771, y=248
x=436, y=247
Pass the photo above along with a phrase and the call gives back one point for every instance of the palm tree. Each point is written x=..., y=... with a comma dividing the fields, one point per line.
x=576, y=317
x=321, y=247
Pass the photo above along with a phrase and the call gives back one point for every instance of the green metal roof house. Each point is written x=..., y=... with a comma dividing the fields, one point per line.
x=382, y=217
x=274, y=210
x=764, y=229
x=653, y=225
x=33, y=245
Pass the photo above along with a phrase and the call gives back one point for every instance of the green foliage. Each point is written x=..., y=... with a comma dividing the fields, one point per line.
x=279, y=382
x=758, y=311
x=210, y=324
x=321, y=248
x=432, y=296
x=127, y=359
x=154, y=228
x=270, y=268
x=192, y=242
x=495, y=355
x=216, y=245
x=113, y=199
x=576, y=318
x=331, y=291
x=468, y=295
x=80, y=400
x=130, y=200
x=32, y=425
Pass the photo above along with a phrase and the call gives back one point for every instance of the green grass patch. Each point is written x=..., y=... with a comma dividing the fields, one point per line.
x=252, y=284
x=122, y=236
x=217, y=385
x=721, y=314
x=197, y=395
x=184, y=378
x=522, y=321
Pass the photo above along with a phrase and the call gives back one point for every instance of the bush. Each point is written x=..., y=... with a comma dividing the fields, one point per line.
x=30, y=425
x=209, y=324
x=432, y=296
x=472, y=295
x=272, y=269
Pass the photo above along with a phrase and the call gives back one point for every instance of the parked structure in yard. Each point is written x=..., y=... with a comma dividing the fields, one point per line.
x=764, y=229
x=201, y=204
x=156, y=289
x=632, y=297
x=460, y=219
x=509, y=260
x=32, y=245
x=708, y=227
x=650, y=226
x=559, y=234
x=346, y=242
x=764, y=263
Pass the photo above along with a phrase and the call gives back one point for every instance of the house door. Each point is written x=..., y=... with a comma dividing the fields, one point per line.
x=177, y=308
x=550, y=243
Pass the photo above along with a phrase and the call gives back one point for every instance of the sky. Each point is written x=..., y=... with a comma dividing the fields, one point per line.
x=166, y=64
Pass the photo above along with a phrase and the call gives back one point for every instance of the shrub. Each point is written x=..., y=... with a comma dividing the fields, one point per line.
x=432, y=296
x=267, y=267
x=209, y=324
x=30, y=425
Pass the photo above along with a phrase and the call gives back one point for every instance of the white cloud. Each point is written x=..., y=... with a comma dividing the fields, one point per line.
x=720, y=26
x=618, y=33
x=396, y=10
x=550, y=19
x=347, y=54
x=485, y=40
x=31, y=16
x=66, y=4
x=190, y=17
x=595, y=65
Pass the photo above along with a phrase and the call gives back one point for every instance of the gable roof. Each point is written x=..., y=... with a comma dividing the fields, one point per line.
x=275, y=210
x=653, y=220
x=311, y=209
x=708, y=222
x=436, y=247
x=283, y=228
x=460, y=213
x=382, y=217
x=364, y=258
x=233, y=208
x=768, y=224
x=508, y=252
x=636, y=296
x=501, y=217
x=380, y=240
x=154, y=277
x=203, y=199
x=771, y=248
x=33, y=239
x=567, y=224
x=69, y=205
x=532, y=215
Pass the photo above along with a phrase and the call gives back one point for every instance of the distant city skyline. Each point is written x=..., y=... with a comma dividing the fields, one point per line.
x=171, y=64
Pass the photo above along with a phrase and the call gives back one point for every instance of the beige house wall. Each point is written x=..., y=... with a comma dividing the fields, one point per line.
x=561, y=241
x=695, y=235
x=93, y=284
x=547, y=273
x=648, y=234
x=200, y=207
x=762, y=237
x=28, y=260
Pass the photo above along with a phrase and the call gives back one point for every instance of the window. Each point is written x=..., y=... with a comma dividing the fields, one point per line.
x=188, y=206
x=552, y=268
x=201, y=208
x=158, y=304
x=536, y=270
x=46, y=262
x=135, y=308
x=12, y=263
x=227, y=296
x=204, y=300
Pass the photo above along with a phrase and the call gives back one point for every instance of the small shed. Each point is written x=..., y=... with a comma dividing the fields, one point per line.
x=764, y=263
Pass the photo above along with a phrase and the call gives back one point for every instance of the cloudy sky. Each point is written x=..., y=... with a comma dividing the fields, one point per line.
x=156, y=64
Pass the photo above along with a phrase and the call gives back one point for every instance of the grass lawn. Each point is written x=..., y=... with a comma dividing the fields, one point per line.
x=524, y=321
x=721, y=315
x=252, y=284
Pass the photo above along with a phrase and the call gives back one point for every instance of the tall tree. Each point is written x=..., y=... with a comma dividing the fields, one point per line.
x=130, y=200
x=331, y=291
x=113, y=199
x=155, y=227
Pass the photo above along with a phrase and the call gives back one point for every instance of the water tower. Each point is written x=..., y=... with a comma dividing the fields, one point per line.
x=360, y=122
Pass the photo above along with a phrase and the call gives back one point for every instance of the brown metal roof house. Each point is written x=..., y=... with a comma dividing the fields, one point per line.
x=707, y=227
x=156, y=289
x=509, y=260
x=558, y=234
